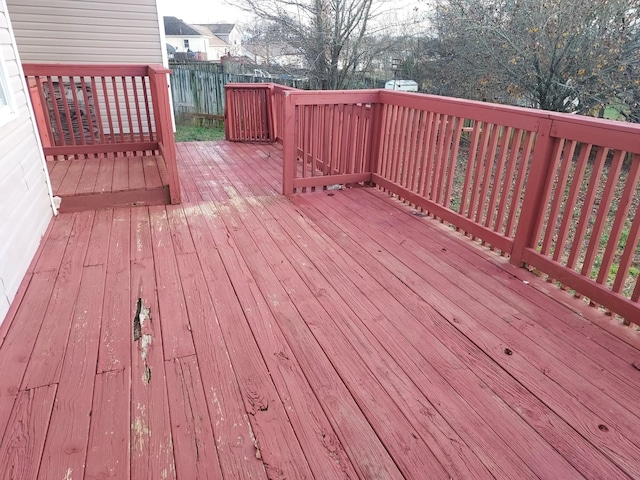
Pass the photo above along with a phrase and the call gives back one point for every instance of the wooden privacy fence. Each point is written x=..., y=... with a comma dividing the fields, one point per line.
x=557, y=193
x=198, y=88
x=99, y=110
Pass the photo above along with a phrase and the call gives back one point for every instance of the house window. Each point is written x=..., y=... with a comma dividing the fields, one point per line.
x=186, y=43
x=6, y=101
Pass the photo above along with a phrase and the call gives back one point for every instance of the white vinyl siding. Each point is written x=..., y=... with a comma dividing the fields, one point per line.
x=25, y=204
x=82, y=31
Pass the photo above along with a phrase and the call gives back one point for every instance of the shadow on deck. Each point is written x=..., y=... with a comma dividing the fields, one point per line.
x=334, y=334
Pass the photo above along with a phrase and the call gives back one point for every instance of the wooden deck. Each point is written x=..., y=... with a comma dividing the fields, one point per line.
x=94, y=183
x=334, y=334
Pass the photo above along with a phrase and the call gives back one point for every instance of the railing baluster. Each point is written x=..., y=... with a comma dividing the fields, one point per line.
x=147, y=109
x=587, y=207
x=453, y=162
x=497, y=187
x=94, y=89
x=566, y=159
x=619, y=221
x=605, y=202
x=127, y=104
x=107, y=104
x=572, y=199
x=136, y=97
x=508, y=181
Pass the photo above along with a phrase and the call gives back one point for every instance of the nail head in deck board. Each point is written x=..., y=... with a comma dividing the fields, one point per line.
x=108, y=454
x=193, y=432
x=24, y=438
x=18, y=344
x=176, y=331
x=68, y=434
x=276, y=440
x=151, y=441
x=323, y=450
x=45, y=363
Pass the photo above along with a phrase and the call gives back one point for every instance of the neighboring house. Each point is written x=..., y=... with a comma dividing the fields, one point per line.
x=218, y=48
x=186, y=38
x=26, y=203
x=276, y=53
x=228, y=32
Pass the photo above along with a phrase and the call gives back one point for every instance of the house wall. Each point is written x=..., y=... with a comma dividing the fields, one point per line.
x=82, y=31
x=196, y=44
x=25, y=202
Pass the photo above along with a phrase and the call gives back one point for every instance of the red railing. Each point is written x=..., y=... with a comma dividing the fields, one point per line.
x=557, y=193
x=94, y=110
x=248, y=113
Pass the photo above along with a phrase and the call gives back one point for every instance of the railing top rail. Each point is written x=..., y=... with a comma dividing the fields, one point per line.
x=597, y=131
x=328, y=97
x=90, y=70
x=284, y=88
x=249, y=86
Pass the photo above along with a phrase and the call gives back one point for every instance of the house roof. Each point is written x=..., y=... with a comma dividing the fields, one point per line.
x=219, y=28
x=214, y=40
x=176, y=27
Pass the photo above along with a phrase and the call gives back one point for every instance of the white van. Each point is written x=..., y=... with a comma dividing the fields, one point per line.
x=401, y=85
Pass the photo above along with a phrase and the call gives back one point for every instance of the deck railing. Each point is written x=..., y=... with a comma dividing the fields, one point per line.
x=556, y=193
x=96, y=110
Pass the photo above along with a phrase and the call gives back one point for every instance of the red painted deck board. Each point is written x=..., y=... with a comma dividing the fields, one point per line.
x=66, y=446
x=109, y=182
x=327, y=335
x=22, y=444
x=109, y=450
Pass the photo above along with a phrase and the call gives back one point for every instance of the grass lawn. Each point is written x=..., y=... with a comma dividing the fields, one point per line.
x=196, y=133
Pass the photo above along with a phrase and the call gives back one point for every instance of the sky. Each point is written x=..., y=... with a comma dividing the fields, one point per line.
x=218, y=11
x=202, y=11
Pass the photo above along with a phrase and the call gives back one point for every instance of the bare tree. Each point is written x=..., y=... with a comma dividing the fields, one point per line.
x=562, y=55
x=333, y=36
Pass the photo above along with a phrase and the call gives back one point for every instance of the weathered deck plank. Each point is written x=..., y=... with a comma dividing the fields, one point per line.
x=328, y=335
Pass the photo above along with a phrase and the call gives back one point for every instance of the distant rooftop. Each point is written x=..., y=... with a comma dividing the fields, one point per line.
x=219, y=28
x=175, y=26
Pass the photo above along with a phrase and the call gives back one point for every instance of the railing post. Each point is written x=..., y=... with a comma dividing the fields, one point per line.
x=536, y=192
x=288, y=143
x=270, y=113
x=164, y=129
x=377, y=109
